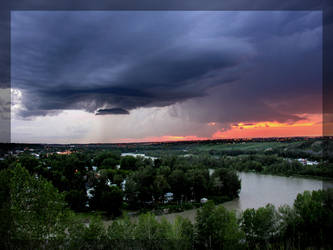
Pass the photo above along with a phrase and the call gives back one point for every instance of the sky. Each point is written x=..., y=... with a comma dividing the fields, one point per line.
x=132, y=76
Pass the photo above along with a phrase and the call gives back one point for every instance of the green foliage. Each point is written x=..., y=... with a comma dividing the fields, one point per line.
x=177, y=181
x=197, y=181
x=107, y=198
x=217, y=228
x=76, y=199
x=112, y=200
x=121, y=230
x=225, y=182
x=308, y=224
x=29, y=162
x=109, y=163
x=86, y=236
x=260, y=226
x=160, y=187
x=128, y=163
x=314, y=219
x=149, y=233
x=35, y=205
x=107, y=158
x=34, y=209
x=182, y=233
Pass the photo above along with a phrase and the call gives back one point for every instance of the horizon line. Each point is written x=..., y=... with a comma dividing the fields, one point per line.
x=171, y=141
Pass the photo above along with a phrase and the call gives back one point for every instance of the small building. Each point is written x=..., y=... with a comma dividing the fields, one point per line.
x=35, y=155
x=66, y=152
x=168, y=197
x=203, y=200
x=307, y=162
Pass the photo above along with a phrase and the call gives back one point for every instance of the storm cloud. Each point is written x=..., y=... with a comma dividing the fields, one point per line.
x=211, y=66
x=113, y=111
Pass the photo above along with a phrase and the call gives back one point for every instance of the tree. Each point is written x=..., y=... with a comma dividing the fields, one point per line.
x=143, y=180
x=121, y=230
x=107, y=198
x=225, y=182
x=260, y=226
x=288, y=230
x=118, y=179
x=29, y=162
x=92, y=236
x=128, y=163
x=132, y=192
x=36, y=209
x=177, y=181
x=185, y=231
x=149, y=232
x=101, y=156
x=6, y=220
x=109, y=163
x=198, y=183
x=315, y=217
x=112, y=200
x=76, y=199
x=217, y=228
x=160, y=187
x=157, y=163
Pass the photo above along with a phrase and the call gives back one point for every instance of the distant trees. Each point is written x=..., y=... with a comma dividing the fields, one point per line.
x=29, y=162
x=109, y=163
x=177, y=181
x=128, y=163
x=107, y=159
x=273, y=164
x=160, y=187
x=225, y=182
x=106, y=198
x=187, y=181
x=147, y=181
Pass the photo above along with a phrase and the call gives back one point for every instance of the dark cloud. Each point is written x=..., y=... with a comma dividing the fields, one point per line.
x=113, y=111
x=237, y=65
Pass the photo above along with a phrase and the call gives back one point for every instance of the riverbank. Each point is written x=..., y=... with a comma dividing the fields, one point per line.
x=257, y=191
x=314, y=177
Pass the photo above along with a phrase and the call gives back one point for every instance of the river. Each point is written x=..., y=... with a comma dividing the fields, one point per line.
x=258, y=190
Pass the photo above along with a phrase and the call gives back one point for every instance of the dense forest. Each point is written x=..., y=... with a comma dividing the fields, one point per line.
x=115, y=183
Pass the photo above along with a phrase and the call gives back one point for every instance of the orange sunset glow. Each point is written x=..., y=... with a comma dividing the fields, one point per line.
x=309, y=125
x=165, y=138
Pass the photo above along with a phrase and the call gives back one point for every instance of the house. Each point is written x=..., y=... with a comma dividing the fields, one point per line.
x=307, y=162
x=67, y=152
